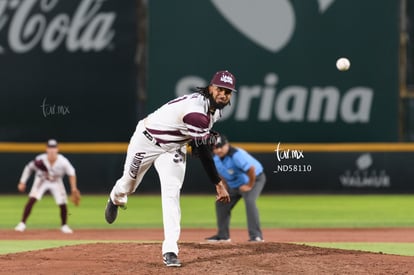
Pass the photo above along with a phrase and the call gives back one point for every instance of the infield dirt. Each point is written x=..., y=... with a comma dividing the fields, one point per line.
x=277, y=255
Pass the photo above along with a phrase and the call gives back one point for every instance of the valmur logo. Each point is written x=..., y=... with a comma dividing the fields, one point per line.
x=365, y=175
x=28, y=24
x=269, y=24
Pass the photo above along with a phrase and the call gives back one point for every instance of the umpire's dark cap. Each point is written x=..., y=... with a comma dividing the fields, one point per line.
x=220, y=141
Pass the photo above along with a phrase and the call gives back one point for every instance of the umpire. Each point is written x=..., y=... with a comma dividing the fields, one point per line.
x=244, y=177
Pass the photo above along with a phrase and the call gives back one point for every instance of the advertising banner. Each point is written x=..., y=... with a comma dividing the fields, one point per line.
x=296, y=171
x=288, y=170
x=352, y=172
x=283, y=54
x=67, y=70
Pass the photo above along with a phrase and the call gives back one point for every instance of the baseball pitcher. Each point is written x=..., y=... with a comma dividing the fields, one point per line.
x=161, y=139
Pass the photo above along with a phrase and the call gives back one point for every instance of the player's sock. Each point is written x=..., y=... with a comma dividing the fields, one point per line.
x=63, y=213
x=28, y=209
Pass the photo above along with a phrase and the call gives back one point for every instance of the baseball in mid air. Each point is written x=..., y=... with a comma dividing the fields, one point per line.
x=343, y=64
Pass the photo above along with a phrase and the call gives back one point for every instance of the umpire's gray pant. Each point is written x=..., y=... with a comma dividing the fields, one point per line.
x=223, y=210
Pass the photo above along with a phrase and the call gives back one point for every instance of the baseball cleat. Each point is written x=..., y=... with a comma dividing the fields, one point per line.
x=170, y=259
x=111, y=212
x=217, y=238
x=20, y=227
x=66, y=229
x=257, y=239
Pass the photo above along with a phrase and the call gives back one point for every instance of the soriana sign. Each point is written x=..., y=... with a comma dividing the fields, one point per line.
x=283, y=54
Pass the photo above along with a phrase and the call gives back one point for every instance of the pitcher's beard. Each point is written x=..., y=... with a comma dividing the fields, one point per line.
x=216, y=105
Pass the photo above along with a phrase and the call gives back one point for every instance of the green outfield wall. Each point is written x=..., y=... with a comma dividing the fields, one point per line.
x=283, y=54
x=69, y=68
x=69, y=71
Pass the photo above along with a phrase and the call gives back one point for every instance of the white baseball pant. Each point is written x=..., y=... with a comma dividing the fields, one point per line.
x=169, y=162
x=56, y=188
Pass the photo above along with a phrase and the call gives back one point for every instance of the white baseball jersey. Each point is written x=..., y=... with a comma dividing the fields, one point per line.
x=182, y=119
x=50, y=180
x=160, y=139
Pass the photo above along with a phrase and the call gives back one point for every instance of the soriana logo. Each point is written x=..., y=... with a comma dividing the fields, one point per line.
x=30, y=24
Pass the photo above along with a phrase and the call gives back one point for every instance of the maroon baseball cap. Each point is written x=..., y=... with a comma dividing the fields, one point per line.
x=224, y=79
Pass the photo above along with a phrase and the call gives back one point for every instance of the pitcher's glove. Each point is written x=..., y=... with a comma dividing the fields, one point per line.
x=213, y=138
x=207, y=142
x=75, y=197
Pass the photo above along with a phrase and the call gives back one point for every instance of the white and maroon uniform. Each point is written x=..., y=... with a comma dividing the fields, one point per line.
x=50, y=180
x=161, y=139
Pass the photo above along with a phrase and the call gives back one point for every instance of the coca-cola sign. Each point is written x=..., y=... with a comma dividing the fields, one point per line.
x=28, y=24
x=68, y=69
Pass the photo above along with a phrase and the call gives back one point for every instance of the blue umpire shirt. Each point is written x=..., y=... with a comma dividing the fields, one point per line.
x=234, y=165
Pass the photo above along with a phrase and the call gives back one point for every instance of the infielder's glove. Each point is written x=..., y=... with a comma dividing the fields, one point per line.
x=40, y=165
x=75, y=197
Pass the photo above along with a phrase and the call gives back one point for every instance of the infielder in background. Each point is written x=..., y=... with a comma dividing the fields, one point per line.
x=49, y=168
x=245, y=179
x=161, y=139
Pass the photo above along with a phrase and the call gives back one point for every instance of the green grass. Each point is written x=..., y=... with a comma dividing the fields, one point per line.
x=405, y=249
x=348, y=211
x=12, y=246
x=276, y=211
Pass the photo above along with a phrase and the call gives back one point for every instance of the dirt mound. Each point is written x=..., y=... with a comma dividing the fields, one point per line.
x=203, y=258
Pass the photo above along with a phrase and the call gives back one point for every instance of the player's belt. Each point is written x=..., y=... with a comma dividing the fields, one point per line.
x=151, y=138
